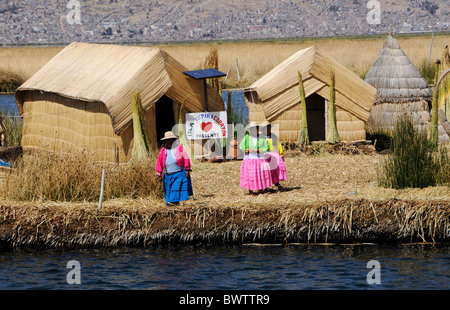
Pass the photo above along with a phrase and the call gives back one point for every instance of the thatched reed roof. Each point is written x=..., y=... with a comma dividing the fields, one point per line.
x=110, y=74
x=396, y=79
x=278, y=90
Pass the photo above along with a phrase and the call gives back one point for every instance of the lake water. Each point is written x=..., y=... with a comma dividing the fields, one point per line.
x=290, y=267
x=237, y=103
x=8, y=104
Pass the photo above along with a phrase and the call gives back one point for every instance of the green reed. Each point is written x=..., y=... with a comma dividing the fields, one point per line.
x=414, y=163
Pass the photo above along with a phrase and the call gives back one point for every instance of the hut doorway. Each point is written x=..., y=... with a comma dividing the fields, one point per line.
x=164, y=117
x=316, y=116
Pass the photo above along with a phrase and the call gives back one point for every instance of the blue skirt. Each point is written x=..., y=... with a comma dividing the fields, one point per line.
x=177, y=187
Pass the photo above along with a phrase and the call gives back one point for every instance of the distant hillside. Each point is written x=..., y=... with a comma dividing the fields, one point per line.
x=33, y=21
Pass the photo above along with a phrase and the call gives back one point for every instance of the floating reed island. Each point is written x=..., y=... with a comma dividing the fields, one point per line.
x=328, y=198
x=54, y=225
x=332, y=195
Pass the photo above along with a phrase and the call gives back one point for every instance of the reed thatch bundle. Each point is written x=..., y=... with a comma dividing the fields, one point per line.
x=303, y=137
x=141, y=146
x=444, y=89
x=333, y=136
x=437, y=115
x=212, y=61
x=3, y=140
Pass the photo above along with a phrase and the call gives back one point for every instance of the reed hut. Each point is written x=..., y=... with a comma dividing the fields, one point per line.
x=276, y=98
x=82, y=99
x=401, y=90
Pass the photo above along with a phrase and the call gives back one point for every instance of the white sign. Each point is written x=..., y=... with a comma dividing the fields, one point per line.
x=207, y=125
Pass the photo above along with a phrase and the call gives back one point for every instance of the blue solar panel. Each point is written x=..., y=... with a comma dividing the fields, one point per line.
x=204, y=74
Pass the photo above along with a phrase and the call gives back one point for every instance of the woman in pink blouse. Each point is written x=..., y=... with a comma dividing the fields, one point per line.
x=173, y=167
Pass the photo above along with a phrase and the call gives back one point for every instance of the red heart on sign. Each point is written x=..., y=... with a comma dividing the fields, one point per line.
x=207, y=126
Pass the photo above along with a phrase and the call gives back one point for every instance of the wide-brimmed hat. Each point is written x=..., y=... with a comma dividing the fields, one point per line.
x=253, y=124
x=169, y=135
x=265, y=124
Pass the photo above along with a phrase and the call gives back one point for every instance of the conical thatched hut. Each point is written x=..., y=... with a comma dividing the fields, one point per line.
x=82, y=99
x=276, y=98
x=401, y=90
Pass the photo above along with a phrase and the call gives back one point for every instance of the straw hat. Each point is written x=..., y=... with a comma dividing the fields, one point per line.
x=169, y=135
x=265, y=124
x=253, y=124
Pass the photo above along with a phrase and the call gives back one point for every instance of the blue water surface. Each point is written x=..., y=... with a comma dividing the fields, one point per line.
x=290, y=267
x=8, y=105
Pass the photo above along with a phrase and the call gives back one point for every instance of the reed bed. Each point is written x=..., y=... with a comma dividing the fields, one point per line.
x=40, y=176
x=255, y=58
x=13, y=128
x=414, y=162
x=10, y=81
x=26, y=61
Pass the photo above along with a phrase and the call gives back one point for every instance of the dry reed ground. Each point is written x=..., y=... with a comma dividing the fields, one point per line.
x=313, y=178
x=314, y=208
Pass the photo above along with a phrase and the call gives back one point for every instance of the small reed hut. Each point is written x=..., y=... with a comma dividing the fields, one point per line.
x=82, y=99
x=401, y=90
x=276, y=98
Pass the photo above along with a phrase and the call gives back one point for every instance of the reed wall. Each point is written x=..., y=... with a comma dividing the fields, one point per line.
x=350, y=128
x=57, y=123
x=386, y=114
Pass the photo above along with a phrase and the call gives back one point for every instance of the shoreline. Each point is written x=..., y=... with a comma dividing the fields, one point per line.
x=368, y=36
x=133, y=224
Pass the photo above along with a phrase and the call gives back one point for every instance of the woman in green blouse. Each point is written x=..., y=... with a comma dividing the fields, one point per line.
x=255, y=169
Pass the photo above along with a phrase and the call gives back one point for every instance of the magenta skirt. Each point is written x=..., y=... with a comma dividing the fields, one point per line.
x=256, y=174
x=277, y=167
